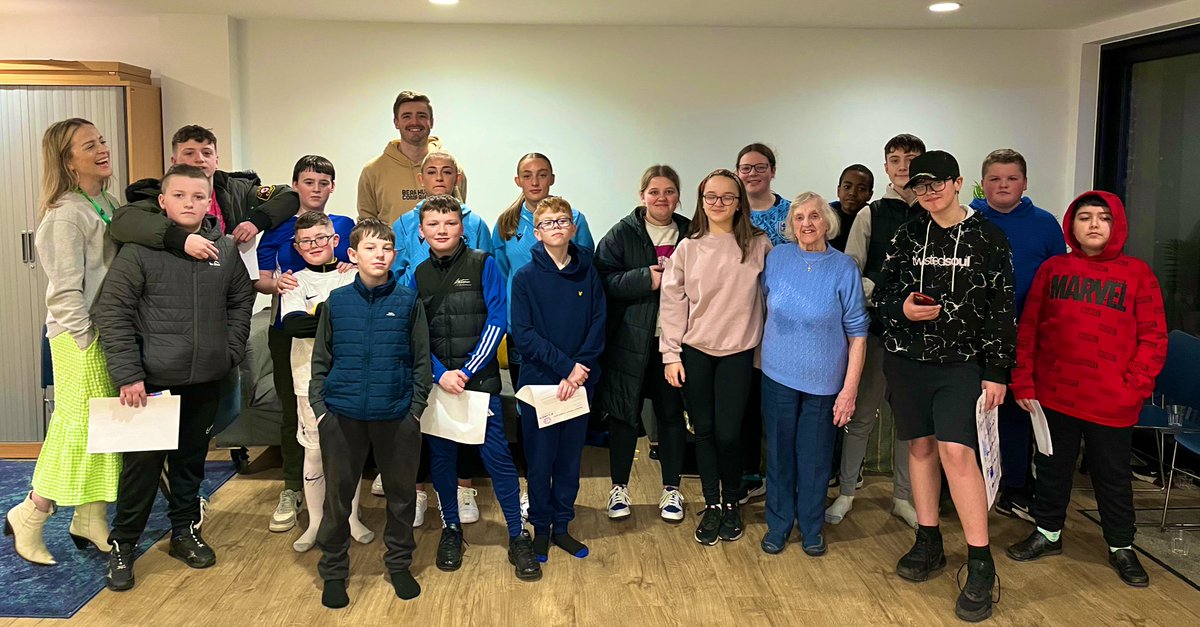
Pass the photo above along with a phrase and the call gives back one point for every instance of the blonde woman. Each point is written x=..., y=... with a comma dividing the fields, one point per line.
x=75, y=252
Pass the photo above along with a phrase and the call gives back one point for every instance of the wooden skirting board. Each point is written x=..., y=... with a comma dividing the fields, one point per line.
x=20, y=450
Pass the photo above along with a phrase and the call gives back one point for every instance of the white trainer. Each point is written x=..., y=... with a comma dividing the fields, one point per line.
x=670, y=505
x=284, y=517
x=619, y=502
x=838, y=510
x=468, y=509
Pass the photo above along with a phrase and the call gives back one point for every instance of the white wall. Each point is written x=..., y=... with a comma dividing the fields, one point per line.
x=605, y=102
x=188, y=55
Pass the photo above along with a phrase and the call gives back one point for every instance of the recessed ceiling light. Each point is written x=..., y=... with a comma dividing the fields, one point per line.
x=944, y=7
x=446, y=2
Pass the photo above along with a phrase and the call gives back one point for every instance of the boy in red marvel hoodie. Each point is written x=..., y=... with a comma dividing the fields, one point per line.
x=1092, y=338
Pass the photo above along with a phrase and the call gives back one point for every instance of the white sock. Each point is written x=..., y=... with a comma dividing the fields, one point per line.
x=314, y=493
x=358, y=530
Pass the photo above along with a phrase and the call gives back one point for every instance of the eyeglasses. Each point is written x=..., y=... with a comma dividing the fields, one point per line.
x=316, y=242
x=713, y=200
x=921, y=189
x=761, y=168
x=547, y=225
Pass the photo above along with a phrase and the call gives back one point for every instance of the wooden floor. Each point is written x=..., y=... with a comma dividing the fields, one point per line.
x=641, y=572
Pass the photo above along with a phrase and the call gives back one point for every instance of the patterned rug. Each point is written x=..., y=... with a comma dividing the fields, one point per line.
x=33, y=591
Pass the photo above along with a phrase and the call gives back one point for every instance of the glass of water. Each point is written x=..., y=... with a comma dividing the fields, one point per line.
x=1176, y=414
x=1179, y=542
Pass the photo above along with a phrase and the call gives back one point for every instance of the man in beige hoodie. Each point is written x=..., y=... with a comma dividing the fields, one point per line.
x=388, y=186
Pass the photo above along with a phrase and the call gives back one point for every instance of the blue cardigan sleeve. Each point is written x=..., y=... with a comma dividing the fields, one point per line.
x=855, y=320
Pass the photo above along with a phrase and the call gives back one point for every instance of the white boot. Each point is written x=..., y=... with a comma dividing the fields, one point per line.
x=25, y=523
x=838, y=509
x=89, y=525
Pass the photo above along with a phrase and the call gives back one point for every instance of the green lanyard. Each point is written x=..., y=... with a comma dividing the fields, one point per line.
x=99, y=210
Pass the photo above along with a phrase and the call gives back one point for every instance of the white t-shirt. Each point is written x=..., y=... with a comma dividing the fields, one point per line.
x=313, y=289
x=663, y=238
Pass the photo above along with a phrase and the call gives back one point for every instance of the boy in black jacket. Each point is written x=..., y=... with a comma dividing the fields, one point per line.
x=172, y=322
x=949, y=332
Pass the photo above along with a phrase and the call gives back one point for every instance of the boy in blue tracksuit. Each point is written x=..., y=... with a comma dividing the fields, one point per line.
x=371, y=377
x=1034, y=235
x=278, y=261
x=558, y=314
x=463, y=294
x=439, y=174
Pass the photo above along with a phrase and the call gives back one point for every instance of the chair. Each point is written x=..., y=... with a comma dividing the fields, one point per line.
x=1177, y=384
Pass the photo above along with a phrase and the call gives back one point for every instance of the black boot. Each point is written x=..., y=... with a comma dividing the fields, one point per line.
x=1033, y=547
x=975, y=600
x=1126, y=563
x=120, y=566
x=190, y=547
x=925, y=558
x=520, y=555
x=450, y=549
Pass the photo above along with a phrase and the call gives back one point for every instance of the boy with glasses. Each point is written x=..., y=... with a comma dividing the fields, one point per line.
x=949, y=332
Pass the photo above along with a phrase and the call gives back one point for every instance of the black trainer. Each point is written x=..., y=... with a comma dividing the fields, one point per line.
x=925, y=558
x=975, y=599
x=450, y=549
x=731, y=523
x=710, y=525
x=1126, y=563
x=190, y=547
x=120, y=567
x=1033, y=547
x=520, y=555
x=1015, y=504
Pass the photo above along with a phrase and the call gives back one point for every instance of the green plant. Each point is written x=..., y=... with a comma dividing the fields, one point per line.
x=977, y=190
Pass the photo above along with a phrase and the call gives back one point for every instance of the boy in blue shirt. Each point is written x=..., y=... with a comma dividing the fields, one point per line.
x=371, y=377
x=278, y=259
x=463, y=293
x=1035, y=236
x=558, y=314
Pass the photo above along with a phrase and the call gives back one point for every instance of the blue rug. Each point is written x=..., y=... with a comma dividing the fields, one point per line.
x=33, y=591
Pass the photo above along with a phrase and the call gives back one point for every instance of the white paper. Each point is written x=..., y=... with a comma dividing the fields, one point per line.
x=249, y=253
x=989, y=447
x=1041, y=430
x=550, y=410
x=458, y=417
x=117, y=428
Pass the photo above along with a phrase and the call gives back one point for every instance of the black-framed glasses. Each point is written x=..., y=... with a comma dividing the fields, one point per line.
x=921, y=189
x=761, y=168
x=316, y=242
x=561, y=223
x=713, y=200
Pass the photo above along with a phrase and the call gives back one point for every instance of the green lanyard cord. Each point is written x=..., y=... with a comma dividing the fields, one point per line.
x=99, y=210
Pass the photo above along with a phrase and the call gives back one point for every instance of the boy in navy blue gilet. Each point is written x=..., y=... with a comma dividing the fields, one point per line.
x=371, y=377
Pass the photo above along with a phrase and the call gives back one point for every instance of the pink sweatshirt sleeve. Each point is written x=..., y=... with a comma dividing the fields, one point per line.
x=673, y=305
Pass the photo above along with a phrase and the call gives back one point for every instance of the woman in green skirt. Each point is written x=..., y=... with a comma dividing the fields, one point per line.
x=75, y=252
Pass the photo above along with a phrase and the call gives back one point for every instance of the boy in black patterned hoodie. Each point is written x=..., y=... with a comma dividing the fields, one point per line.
x=949, y=330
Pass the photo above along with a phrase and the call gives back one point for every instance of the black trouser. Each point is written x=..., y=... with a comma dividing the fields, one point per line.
x=672, y=434
x=715, y=393
x=344, y=445
x=752, y=427
x=1108, y=462
x=290, y=450
x=185, y=466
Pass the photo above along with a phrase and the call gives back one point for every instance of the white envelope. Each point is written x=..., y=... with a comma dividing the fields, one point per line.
x=458, y=417
x=1041, y=430
x=249, y=253
x=117, y=428
x=989, y=447
x=550, y=410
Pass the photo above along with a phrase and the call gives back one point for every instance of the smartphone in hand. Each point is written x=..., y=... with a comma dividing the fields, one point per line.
x=923, y=300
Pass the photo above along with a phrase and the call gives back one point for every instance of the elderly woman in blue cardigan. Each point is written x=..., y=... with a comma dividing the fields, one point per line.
x=813, y=349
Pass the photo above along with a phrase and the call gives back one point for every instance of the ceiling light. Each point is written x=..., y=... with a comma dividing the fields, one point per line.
x=944, y=7
x=445, y=2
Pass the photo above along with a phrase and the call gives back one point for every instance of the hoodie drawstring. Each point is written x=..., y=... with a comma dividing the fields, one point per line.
x=953, y=259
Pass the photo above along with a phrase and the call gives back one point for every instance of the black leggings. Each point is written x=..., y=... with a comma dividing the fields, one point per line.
x=672, y=435
x=715, y=391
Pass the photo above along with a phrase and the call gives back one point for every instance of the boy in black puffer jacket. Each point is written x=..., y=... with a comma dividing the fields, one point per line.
x=172, y=322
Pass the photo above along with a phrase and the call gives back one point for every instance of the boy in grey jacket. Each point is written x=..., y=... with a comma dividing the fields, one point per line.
x=172, y=322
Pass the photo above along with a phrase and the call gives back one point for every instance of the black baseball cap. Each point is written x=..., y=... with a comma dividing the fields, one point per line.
x=935, y=165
